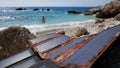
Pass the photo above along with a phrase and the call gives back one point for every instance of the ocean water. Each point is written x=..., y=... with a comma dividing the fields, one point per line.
x=56, y=18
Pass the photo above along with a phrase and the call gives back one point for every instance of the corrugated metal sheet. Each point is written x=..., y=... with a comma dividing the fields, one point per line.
x=66, y=52
x=51, y=44
x=16, y=58
x=45, y=64
x=26, y=62
x=43, y=38
x=87, y=55
x=70, y=51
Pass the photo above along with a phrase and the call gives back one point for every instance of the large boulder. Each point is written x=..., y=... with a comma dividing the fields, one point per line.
x=109, y=10
x=117, y=17
x=14, y=40
x=81, y=31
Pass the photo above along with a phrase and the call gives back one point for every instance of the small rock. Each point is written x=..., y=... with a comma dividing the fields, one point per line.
x=101, y=25
x=21, y=9
x=36, y=9
x=100, y=29
x=81, y=31
x=48, y=9
x=61, y=32
x=99, y=21
x=117, y=17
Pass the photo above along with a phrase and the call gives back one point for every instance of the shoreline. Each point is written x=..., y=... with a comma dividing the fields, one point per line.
x=71, y=29
x=92, y=27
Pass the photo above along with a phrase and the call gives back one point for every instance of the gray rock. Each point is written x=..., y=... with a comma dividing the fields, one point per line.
x=109, y=10
x=99, y=21
x=73, y=12
x=81, y=31
x=61, y=32
x=117, y=17
x=91, y=11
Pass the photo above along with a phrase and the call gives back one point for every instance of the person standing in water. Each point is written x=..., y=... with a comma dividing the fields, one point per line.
x=43, y=20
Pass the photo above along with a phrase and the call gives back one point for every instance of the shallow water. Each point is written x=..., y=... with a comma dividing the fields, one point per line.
x=30, y=19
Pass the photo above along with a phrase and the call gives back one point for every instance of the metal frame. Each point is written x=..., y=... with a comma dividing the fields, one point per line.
x=16, y=58
x=43, y=54
x=40, y=39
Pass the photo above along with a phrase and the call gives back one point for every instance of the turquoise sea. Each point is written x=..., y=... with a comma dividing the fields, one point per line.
x=55, y=18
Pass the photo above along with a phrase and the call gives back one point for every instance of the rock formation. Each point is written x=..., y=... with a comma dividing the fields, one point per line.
x=48, y=9
x=21, y=9
x=99, y=21
x=117, y=17
x=73, y=12
x=14, y=40
x=109, y=10
x=36, y=9
x=91, y=11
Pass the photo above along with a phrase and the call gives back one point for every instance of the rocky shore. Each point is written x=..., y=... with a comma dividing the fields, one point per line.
x=88, y=28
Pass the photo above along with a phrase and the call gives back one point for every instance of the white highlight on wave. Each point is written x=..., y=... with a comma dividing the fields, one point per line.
x=6, y=18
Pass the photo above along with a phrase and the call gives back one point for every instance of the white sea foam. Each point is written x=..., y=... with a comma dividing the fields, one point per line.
x=44, y=27
x=6, y=18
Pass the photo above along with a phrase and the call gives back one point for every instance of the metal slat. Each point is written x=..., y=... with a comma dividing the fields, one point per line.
x=16, y=58
x=59, y=51
x=43, y=38
x=53, y=43
x=87, y=53
x=45, y=64
x=26, y=62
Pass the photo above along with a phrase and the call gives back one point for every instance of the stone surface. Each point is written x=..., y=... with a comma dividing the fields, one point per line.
x=117, y=17
x=91, y=11
x=61, y=32
x=109, y=10
x=14, y=40
x=81, y=31
x=73, y=12
x=36, y=9
x=21, y=9
x=99, y=21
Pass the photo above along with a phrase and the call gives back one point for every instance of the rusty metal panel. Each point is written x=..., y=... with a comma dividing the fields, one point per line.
x=70, y=51
x=62, y=49
x=52, y=43
x=92, y=50
x=26, y=62
x=45, y=64
x=43, y=38
x=16, y=58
